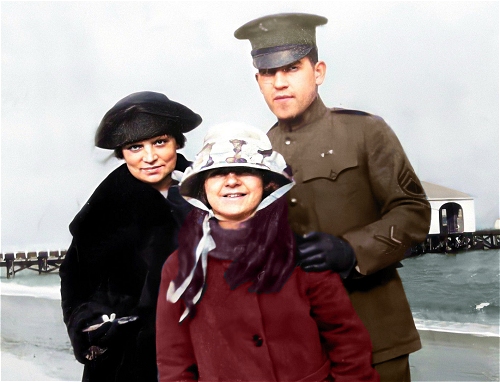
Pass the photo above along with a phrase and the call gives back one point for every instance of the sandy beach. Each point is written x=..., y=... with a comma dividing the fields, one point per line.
x=35, y=347
x=455, y=357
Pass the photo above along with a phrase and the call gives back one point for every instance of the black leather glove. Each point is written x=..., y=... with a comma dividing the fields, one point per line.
x=319, y=252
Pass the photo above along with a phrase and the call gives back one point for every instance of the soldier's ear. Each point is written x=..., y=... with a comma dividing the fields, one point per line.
x=320, y=72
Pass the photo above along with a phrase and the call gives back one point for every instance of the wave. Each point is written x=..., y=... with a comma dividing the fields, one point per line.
x=52, y=292
x=48, y=292
x=458, y=327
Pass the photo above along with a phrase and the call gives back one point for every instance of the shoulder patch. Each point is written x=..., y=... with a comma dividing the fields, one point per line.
x=349, y=111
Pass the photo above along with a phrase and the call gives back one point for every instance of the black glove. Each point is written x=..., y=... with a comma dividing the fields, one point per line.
x=106, y=332
x=319, y=252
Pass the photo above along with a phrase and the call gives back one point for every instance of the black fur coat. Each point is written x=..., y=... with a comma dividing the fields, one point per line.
x=121, y=238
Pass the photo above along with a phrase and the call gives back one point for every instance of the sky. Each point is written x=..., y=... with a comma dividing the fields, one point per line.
x=430, y=69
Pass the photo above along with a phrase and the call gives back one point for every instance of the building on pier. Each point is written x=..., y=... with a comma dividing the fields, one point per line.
x=452, y=211
x=453, y=223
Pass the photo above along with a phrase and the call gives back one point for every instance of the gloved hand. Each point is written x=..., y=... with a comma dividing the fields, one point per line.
x=319, y=252
x=105, y=332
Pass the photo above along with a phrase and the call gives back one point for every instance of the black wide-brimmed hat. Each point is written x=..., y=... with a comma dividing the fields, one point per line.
x=114, y=132
x=280, y=39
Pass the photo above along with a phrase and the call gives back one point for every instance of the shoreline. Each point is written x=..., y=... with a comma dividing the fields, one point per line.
x=37, y=348
x=53, y=293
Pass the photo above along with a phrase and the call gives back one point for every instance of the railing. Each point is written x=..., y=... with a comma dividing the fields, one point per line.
x=457, y=242
x=49, y=261
x=41, y=261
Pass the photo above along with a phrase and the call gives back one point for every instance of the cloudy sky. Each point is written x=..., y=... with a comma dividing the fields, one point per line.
x=430, y=69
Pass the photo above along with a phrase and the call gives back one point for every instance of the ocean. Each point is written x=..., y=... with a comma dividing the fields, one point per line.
x=448, y=293
x=455, y=292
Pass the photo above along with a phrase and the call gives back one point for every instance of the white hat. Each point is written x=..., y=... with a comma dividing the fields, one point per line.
x=234, y=144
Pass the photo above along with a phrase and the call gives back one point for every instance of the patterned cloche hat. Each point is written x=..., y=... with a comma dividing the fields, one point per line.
x=234, y=144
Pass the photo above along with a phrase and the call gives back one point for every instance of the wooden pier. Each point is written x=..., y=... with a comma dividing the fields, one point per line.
x=457, y=242
x=49, y=261
x=41, y=261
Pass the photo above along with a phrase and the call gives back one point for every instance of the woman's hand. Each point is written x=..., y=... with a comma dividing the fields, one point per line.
x=105, y=332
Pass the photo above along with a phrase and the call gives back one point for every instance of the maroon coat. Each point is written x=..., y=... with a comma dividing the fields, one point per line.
x=307, y=331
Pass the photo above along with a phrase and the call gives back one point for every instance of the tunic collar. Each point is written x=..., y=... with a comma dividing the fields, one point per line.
x=315, y=111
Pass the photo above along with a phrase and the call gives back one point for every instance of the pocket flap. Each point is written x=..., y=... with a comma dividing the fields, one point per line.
x=329, y=165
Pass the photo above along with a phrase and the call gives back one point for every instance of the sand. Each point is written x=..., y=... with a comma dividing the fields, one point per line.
x=35, y=347
x=455, y=357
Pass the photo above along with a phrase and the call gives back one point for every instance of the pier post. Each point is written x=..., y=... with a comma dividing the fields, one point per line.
x=9, y=264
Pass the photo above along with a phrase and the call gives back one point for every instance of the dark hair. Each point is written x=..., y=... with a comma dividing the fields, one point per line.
x=146, y=126
x=267, y=260
x=313, y=55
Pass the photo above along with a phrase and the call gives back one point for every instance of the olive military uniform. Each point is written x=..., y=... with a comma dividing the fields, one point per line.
x=354, y=181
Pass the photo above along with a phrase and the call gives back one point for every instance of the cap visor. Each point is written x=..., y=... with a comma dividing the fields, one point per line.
x=278, y=59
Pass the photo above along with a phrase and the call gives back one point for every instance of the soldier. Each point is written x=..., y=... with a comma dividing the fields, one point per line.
x=358, y=207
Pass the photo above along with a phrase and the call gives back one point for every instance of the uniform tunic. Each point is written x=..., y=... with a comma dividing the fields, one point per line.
x=308, y=331
x=354, y=181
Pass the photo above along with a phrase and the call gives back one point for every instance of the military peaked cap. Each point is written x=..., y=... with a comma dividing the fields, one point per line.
x=280, y=39
x=114, y=132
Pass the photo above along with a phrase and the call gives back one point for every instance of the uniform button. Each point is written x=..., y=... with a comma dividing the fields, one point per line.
x=258, y=340
x=293, y=201
x=288, y=141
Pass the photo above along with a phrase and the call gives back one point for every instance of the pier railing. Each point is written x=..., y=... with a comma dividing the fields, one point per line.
x=38, y=261
x=50, y=261
x=458, y=242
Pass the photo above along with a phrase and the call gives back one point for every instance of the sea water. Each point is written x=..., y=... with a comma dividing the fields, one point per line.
x=447, y=292
x=456, y=293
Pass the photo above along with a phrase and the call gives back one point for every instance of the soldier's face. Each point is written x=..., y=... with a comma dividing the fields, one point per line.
x=289, y=90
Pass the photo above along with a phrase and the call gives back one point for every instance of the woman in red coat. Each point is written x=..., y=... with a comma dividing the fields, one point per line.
x=242, y=309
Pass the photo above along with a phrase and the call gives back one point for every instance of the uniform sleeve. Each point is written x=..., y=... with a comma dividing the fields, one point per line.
x=345, y=338
x=405, y=211
x=174, y=351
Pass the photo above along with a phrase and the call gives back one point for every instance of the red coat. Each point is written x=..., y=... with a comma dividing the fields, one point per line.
x=237, y=335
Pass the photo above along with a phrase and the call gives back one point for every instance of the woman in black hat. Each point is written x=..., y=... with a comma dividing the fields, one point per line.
x=121, y=238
